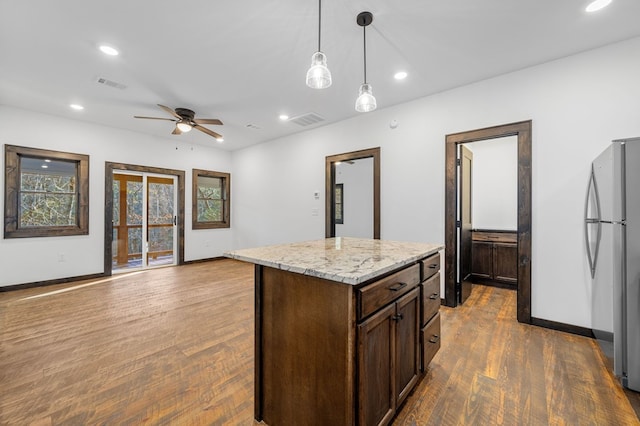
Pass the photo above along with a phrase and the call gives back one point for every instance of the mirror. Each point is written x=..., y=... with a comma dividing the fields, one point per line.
x=352, y=194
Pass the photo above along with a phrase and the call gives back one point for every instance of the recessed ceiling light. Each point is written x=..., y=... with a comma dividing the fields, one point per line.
x=597, y=5
x=77, y=107
x=284, y=117
x=220, y=140
x=400, y=75
x=44, y=166
x=108, y=50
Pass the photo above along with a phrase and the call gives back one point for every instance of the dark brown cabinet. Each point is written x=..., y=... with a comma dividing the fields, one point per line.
x=407, y=344
x=430, y=318
x=494, y=257
x=389, y=364
x=331, y=353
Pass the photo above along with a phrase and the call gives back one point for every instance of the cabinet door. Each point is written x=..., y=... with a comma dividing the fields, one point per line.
x=482, y=259
x=376, y=384
x=505, y=266
x=407, y=344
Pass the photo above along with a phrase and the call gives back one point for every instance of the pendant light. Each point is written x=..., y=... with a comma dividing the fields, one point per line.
x=319, y=76
x=366, y=101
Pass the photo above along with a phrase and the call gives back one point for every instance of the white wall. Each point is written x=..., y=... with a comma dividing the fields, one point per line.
x=357, y=178
x=26, y=260
x=494, y=183
x=577, y=104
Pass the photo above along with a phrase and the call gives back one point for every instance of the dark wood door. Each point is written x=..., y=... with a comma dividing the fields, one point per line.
x=407, y=344
x=505, y=263
x=376, y=384
x=466, y=163
x=482, y=260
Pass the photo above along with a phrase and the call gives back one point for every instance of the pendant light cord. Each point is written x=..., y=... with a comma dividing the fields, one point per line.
x=364, y=38
x=319, y=22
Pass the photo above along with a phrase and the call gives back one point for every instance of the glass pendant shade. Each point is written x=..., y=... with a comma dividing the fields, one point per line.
x=318, y=76
x=366, y=101
x=183, y=126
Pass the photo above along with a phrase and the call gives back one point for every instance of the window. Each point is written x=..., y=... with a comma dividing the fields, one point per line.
x=46, y=193
x=339, y=203
x=211, y=200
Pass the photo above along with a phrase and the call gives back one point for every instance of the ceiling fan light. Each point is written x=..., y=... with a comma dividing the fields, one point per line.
x=366, y=101
x=318, y=76
x=183, y=126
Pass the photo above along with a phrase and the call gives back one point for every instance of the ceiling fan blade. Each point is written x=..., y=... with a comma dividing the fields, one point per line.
x=207, y=131
x=170, y=111
x=207, y=121
x=176, y=131
x=153, y=118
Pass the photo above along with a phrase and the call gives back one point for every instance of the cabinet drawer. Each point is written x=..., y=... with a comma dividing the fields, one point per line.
x=498, y=237
x=430, y=298
x=378, y=294
x=430, y=266
x=430, y=340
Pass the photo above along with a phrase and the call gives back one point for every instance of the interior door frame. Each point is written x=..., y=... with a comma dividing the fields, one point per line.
x=108, y=207
x=462, y=262
x=522, y=130
x=330, y=181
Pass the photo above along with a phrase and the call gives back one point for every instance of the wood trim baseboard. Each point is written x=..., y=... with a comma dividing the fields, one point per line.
x=51, y=282
x=559, y=326
x=45, y=283
x=494, y=283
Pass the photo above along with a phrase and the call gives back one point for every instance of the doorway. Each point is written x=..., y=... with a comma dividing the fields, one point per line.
x=144, y=224
x=334, y=195
x=522, y=131
x=144, y=220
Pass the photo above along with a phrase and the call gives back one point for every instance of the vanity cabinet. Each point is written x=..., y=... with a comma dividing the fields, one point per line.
x=494, y=257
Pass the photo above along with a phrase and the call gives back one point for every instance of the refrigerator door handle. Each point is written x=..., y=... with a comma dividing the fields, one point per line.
x=592, y=188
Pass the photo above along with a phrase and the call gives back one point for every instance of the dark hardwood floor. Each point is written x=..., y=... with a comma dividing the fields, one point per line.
x=175, y=346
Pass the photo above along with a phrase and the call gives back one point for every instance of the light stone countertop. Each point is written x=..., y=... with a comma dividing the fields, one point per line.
x=347, y=260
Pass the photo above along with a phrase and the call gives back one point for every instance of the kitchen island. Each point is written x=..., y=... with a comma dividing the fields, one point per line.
x=344, y=328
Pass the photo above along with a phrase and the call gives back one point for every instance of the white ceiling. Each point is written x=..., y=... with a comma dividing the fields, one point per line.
x=244, y=62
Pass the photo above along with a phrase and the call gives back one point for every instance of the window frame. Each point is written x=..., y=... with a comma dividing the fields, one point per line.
x=12, y=191
x=226, y=198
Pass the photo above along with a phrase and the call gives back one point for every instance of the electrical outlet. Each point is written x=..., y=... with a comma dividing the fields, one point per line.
x=314, y=212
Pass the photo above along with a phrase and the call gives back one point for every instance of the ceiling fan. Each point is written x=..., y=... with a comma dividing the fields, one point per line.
x=185, y=120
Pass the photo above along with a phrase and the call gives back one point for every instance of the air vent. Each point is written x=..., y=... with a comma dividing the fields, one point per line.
x=111, y=83
x=307, y=119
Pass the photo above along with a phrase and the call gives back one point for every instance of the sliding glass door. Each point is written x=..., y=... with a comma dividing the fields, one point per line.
x=144, y=220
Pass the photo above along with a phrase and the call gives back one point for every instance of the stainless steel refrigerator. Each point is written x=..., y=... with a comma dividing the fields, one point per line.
x=612, y=231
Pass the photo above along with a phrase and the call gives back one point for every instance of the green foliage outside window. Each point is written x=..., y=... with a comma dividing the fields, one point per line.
x=47, y=193
x=210, y=202
x=211, y=199
x=47, y=199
